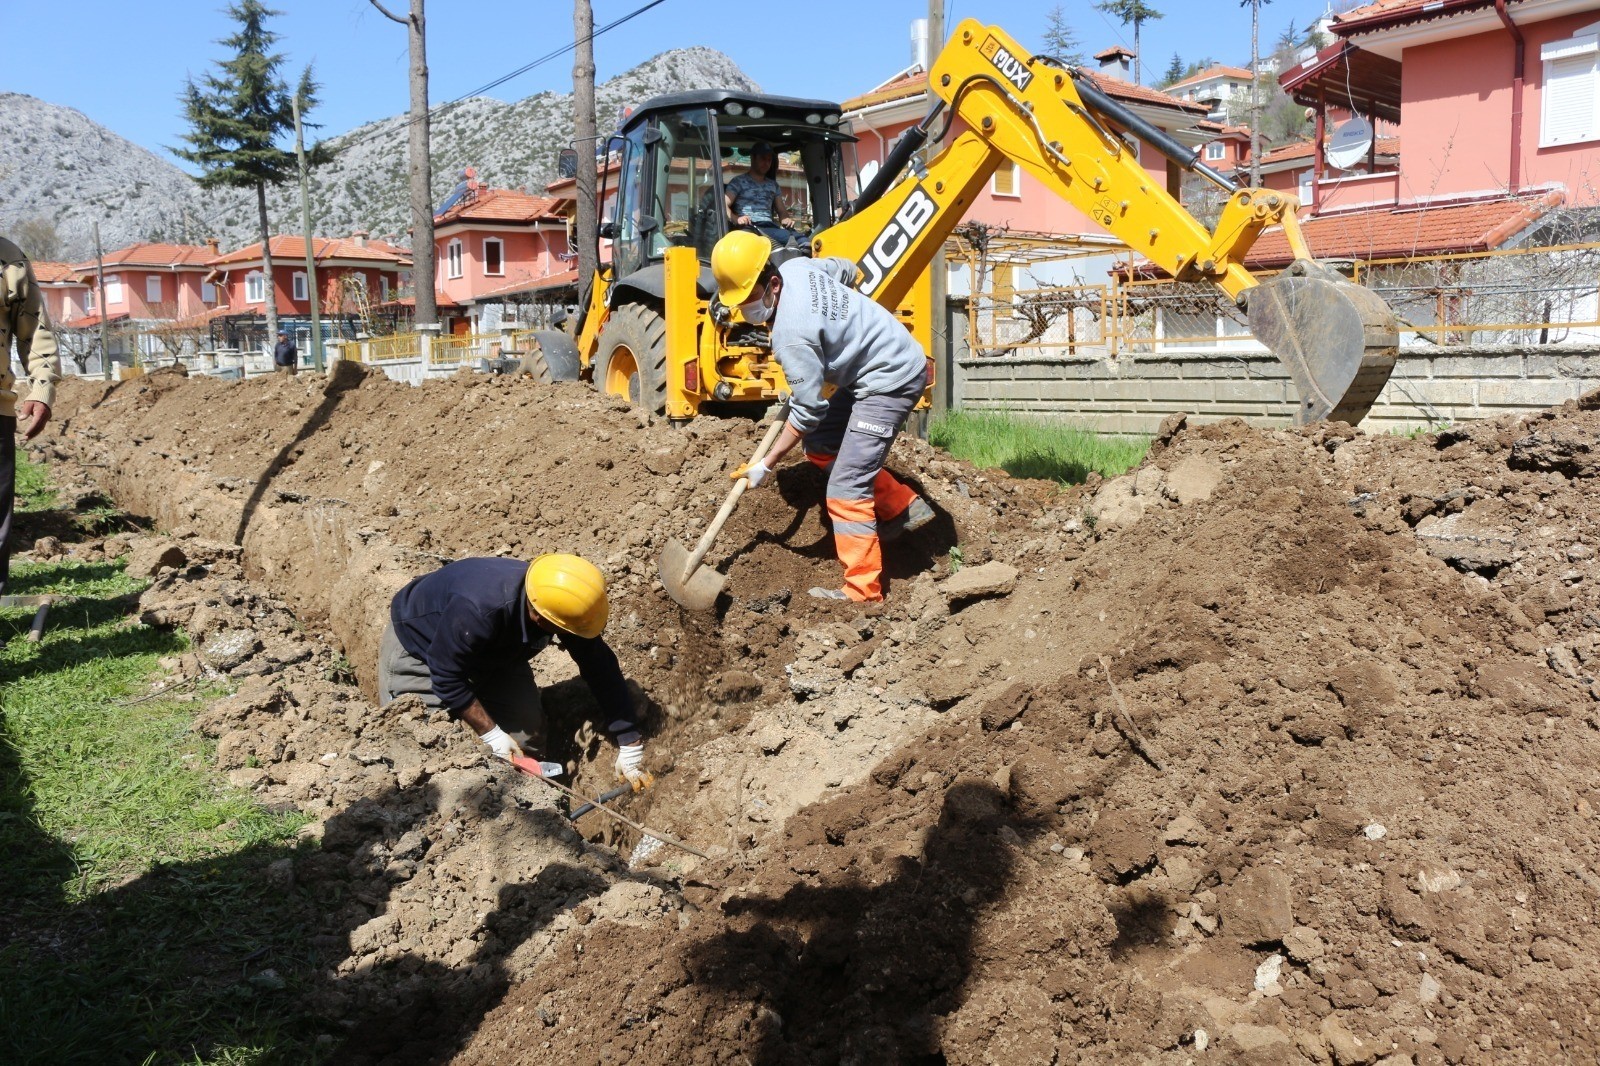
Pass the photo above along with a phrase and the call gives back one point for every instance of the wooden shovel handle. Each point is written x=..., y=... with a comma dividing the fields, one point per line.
x=709, y=537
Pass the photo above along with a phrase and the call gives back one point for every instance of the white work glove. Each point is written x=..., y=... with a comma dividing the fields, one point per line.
x=630, y=766
x=755, y=473
x=501, y=744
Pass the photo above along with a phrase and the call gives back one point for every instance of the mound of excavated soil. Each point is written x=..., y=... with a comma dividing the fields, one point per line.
x=1360, y=671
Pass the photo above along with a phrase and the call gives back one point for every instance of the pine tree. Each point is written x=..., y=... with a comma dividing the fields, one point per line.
x=1060, y=41
x=1174, y=71
x=238, y=115
x=1136, y=12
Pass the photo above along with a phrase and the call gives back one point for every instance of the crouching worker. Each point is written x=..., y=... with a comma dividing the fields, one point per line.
x=823, y=331
x=461, y=638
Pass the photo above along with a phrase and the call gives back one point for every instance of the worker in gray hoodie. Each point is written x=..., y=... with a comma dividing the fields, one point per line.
x=823, y=331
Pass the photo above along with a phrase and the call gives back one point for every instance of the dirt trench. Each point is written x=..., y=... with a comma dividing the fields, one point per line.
x=1361, y=671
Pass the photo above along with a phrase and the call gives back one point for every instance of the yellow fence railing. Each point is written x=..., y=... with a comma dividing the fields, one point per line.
x=394, y=346
x=463, y=347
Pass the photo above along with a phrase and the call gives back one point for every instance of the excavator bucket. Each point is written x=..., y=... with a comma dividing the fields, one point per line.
x=1337, y=340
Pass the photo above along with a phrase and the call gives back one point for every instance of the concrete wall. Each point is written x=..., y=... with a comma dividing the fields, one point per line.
x=1132, y=395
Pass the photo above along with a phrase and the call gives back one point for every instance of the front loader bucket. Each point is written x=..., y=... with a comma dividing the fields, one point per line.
x=1337, y=339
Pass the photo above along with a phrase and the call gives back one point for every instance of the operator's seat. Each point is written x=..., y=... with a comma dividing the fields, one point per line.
x=703, y=228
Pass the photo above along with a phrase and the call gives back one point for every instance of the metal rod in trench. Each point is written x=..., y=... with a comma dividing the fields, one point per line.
x=624, y=819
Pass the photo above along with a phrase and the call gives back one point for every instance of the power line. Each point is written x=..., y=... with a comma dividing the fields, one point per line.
x=547, y=57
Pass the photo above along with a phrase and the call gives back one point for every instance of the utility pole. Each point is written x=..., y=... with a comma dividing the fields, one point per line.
x=305, y=233
x=100, y=284
x=584, y=139
x=421, y=167
x=938, y=272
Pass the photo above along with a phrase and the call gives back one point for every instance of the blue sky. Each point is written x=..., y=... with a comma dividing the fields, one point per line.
x=124, y=64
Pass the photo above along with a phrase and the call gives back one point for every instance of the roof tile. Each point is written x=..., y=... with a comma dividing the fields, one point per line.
x=500, y=205
x=1396, y=232
x=285, y=248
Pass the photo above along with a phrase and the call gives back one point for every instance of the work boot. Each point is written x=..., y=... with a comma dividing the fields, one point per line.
x=913, y=518
x=829, y=594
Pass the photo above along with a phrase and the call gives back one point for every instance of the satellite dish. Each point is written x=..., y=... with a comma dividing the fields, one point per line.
x=1349, y=143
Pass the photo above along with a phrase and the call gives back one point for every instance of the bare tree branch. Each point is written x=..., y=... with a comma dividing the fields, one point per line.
x=390, y=14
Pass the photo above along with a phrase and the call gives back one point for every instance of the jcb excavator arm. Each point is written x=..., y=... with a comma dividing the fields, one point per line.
x=1337, y=340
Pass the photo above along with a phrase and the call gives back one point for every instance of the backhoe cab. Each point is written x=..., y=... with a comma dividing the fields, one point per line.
x=644, y=334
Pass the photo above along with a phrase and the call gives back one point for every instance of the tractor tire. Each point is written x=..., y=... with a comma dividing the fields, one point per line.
x=632, y=360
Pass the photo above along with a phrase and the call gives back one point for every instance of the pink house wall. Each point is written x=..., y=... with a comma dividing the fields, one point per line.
x=180, y=293
x=526, y=255
x=1456, y=102
x=63, y=303
x=283, y=277
x=1035, y=207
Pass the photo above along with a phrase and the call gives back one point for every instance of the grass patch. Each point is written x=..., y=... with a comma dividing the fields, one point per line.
x=137, y=916
x=34, y=492
x=1023, y=447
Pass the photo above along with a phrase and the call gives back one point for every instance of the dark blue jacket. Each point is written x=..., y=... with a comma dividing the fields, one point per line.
x=284, y=353
x=471, y=616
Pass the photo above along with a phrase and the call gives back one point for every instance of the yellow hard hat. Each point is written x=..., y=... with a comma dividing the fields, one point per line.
x=736, y=262
x=569, y=592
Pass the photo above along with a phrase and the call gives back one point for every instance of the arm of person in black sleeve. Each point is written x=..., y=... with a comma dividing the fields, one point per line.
x=598, y=666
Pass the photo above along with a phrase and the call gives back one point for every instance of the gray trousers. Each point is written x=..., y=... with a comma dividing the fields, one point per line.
x=509, y=694
x=853, y=439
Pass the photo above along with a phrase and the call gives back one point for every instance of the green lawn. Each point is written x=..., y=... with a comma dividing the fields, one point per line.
x=1023, y=447
x=136, y=909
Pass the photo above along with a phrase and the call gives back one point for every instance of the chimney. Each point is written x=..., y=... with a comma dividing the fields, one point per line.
x=919, y=43
x=211, y=246
x=359, y=238
x=1114, y=60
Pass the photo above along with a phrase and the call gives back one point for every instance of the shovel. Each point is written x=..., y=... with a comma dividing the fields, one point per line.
x=685, y=580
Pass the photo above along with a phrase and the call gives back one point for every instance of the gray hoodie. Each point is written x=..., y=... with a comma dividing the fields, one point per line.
x=825, y=331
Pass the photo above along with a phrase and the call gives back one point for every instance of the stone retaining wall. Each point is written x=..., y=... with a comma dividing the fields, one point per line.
x=1133, y=394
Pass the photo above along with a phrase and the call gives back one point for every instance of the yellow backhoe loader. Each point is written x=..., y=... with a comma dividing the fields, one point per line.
x=650, y=328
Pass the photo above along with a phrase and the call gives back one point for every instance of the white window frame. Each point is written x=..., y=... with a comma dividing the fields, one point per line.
x=1216, y=151
x=383, y=287
x=113, y=289
x=89, y=298
x=1016, y=182
x=299, y=286
x=1571, y=77
x=1304, y=186
x=257, y=281
x=501, y=246
x=452, y=258
x=152, y=282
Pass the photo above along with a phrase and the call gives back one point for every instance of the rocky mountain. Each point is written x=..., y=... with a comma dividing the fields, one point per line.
x=70, y=172
x=74, y=172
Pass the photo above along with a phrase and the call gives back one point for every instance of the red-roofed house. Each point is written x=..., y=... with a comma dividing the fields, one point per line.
x=64, y=290
x=1500, y=105
x=1228, y=146
x=1224, y=90
x=147, y=283
x=493, y=243
x=373, y=265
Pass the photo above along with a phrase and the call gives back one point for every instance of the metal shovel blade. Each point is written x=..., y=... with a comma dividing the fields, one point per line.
x=1338, y=341
x=697, y=591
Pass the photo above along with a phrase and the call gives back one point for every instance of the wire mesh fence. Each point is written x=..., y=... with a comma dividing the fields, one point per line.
x=1537, y=296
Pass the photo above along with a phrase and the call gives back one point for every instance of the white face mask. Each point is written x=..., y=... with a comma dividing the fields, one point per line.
x=757, y=312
